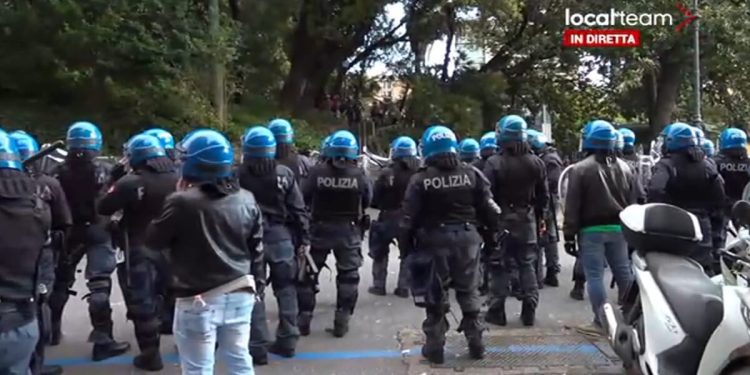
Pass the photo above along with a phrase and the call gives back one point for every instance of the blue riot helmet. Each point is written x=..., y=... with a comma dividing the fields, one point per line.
x=512, y=128
x=708, y=147
x=165, y=137
x=343, y=144
x=282, y=130
x=207, y=156
x=488, y=141
x=619, y=142
x=259, y=142
x=403, y=147
x=468, y=150
x=9, y=156
x=587, y=129
x=599, y=135
x=84, y=135
x=628, y=139
x=26, y=144
x=438, y=139
x=144, y=147
x=732, y=138
x=680, y=137
x=537, y=140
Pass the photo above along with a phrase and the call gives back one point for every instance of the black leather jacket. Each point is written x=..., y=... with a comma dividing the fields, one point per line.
x=598, y=190
x=210, y=241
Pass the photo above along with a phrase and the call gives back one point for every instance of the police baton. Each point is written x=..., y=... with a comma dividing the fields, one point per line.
x=43, y=152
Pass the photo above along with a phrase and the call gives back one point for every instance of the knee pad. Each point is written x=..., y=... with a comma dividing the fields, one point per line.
x=99, y=290
x=350, y=277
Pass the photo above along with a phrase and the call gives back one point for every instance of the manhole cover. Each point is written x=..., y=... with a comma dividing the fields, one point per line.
x=527, y=351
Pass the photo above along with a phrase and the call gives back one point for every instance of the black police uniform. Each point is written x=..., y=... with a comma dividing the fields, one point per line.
x=388, y=194
x=284, y=219
x=690, y=182
x=519, y=186
x=734, y=168
x=83, y=179
x=337, y=197
x=442, y=209
x=549, y=240
x=140, y=196
x=25, y=221
x=51, y=192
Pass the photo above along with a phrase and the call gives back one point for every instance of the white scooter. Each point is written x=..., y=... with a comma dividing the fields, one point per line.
x=675, y=320
x=735, y=260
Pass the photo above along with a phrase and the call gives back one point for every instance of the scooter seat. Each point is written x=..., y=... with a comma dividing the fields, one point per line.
x=695, y=300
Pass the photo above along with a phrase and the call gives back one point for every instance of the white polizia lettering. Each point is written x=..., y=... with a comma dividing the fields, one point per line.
x=338, y=182
x=732, y=167
x=446, y=182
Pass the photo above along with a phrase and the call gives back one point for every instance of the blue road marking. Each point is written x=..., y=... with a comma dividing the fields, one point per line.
x=585, y=349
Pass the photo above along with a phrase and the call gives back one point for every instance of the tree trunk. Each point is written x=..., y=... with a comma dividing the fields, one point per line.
x=451, y=23
x=217, y=79
x=662, y=90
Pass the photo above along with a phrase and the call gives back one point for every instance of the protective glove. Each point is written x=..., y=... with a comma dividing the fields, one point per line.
x=571, y=246
x=302, y=250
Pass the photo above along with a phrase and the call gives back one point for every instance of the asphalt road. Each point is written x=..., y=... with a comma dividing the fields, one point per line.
x=371, y=347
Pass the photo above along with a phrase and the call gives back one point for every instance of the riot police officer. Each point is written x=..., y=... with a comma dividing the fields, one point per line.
x=285, y=152
x=166, y=139
x=487, y=148
x=444, y=203
x=708, y=148
x=554, y=166
x=83, y=178
x=629, y=155
x=53, y=195
x=599, y=187
x=140, y=196
x=280, y=200
x=685, y=179
x=162, y=281
x=468, y=150
x=388, y=194
x=734, y=167
x=338, y=192
x=519, y=185
x=25, y=220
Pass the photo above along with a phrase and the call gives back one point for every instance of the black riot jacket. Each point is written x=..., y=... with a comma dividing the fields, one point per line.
x=438, y=196
x=140, y=195
x=83, y=181
x=279, y=198
x=389, y=190
x=24, y=224
x=554, y=164
x=735, y=170
x=337, y=194
x=211, y=239
x=687, y=182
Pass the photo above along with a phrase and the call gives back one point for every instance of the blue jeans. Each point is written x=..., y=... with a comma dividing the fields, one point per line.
x=16, y=347
x=199, y=326
x=595, y=249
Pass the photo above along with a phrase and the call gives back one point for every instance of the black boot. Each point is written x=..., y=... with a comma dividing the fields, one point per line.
x=340, y=323
x=376, y=290
x=260, y=359
x=401, y=292
x=149, y=360
x=281, y=351
x=528, y=313
x=107, y=350
x=303, y=323
x=434, y=327
x=51, y=370
x=55, y=335
x=551, y=278
x=496, y=315
x=472, y=329
x=577, y=292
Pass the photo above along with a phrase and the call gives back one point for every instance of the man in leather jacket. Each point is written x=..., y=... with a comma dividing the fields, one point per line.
x=599, y=187
x=212, y=231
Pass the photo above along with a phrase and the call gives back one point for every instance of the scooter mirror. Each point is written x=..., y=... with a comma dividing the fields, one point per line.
x=741, y=214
